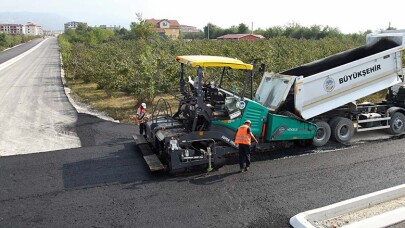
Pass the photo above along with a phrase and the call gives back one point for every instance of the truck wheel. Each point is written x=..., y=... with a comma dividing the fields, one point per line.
x=322, y=134
x=397, y=123
x=342, y=130
x=333, y=120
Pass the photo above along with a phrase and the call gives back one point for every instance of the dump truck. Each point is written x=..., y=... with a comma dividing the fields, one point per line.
x=324, y=92
x=307, y=104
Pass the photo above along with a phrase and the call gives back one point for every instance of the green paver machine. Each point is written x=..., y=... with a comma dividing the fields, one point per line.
x=201, y=132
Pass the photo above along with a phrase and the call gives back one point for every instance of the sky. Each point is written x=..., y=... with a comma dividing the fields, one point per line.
x=349, y=16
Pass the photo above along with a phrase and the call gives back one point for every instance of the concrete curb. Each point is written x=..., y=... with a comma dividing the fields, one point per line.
x=306, y=219
x=20, y=56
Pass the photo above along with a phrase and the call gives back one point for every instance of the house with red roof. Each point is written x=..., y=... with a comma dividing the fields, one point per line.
x=170, y=28
x=240, y=37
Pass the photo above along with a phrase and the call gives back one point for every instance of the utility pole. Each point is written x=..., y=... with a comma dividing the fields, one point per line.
x=252, y=27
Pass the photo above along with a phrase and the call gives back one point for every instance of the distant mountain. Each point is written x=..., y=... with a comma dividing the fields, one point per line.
x=48, y=21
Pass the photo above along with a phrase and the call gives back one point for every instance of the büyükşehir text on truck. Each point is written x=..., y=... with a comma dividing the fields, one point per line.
x=311, y=103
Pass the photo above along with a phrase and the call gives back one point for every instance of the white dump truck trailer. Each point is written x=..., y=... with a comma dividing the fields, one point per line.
x=325, y=91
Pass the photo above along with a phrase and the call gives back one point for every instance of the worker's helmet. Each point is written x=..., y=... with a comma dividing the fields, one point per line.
x=248, y=122
x=143, y=105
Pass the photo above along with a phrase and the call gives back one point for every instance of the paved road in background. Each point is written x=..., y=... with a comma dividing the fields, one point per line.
x=105, y=183
x=35, y=113
x=12, y=52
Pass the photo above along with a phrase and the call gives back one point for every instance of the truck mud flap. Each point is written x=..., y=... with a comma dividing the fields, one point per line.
x=150, y=158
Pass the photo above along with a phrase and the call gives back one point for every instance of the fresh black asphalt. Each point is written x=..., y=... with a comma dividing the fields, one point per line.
x=107, y=184
x=15, y=51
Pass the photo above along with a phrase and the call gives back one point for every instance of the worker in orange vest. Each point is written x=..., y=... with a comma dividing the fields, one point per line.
x=243, y=138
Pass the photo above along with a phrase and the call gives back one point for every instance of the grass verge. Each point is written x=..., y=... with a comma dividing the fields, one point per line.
x=116, y=105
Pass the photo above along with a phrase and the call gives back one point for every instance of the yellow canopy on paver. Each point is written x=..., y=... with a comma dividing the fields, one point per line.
x=213, y=61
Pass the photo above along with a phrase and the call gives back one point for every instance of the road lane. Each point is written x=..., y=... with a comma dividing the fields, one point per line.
x=17, y=50
x=35, y=113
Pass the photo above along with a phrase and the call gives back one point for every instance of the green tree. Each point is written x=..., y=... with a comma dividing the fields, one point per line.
x=193, y=35
x=231, y=30
x=3, y=40
x=142, y=30
x=102, y=35
x=145, y=67
x=122, y=33
x=243, y=29
x=272, y=32
x=212, y=31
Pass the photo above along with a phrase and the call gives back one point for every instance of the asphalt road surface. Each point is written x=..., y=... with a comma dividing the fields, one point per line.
x=106, y=183
x=35, y=113
x=109, y=185
x=12, y=52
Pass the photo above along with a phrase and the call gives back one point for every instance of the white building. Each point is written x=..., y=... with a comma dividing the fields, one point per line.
x=73, y=24
x=111, y=27
x=13, y=29
x=18, y=29
x=33, y=29
x=187, y=29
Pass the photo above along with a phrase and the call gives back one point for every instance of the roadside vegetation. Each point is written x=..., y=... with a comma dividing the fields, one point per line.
x=117, y=70
x=7, y=41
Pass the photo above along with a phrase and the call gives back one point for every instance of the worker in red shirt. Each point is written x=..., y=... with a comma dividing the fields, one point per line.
x=243, y=138
x=141, y=117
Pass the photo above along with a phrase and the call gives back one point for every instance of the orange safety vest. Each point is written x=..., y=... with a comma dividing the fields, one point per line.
x=242, y=137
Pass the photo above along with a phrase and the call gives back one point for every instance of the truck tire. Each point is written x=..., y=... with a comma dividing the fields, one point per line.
x=333, y=120
x=397, y=123
x=322, y=134
x=342, y=130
